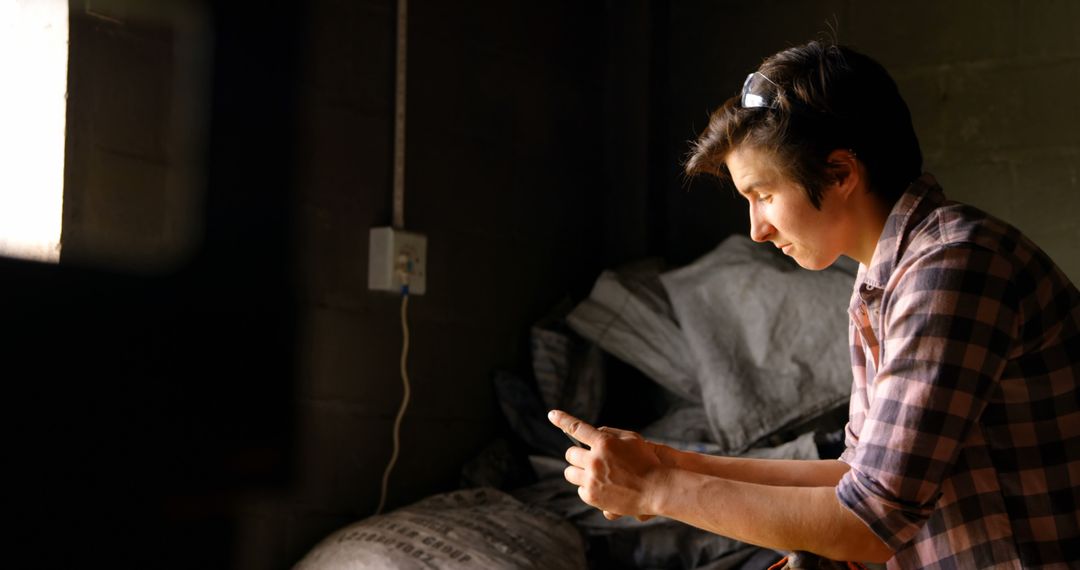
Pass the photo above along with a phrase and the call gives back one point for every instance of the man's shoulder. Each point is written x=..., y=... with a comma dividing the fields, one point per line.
x=959, y=225
x=968, y=243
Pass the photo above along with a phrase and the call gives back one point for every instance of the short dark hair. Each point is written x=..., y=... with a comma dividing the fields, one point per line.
x=828, y=97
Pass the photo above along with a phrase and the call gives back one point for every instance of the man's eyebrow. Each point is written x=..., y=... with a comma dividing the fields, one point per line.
x=749, y=188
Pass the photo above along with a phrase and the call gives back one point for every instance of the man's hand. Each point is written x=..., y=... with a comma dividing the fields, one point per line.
x=620, y=474
x=750, y=500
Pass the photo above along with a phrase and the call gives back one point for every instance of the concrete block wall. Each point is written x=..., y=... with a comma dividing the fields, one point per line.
x=990, y=85
x=528, y=156
x=517, y=146
x=503, y=146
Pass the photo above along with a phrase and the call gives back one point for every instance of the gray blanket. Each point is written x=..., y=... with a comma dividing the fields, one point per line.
x=758, y=342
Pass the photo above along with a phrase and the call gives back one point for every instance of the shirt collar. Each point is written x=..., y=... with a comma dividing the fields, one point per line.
x=920, y=198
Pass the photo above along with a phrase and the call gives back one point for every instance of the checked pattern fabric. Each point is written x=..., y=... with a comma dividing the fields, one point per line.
x=964, y=430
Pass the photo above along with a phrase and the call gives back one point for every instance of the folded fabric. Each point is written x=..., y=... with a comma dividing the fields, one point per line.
x=629, y=320
x=569, y=370
x=760, y=343
x=768, y=338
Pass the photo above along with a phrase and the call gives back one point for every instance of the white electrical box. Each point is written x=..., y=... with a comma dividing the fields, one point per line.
x=394, y=257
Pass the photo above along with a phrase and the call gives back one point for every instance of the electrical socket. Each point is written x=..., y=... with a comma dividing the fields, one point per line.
x=393, y=256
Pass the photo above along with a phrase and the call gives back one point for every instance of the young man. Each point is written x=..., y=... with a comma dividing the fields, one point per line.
x=963, y=441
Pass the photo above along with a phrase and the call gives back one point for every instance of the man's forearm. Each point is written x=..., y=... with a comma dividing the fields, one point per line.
x=780, y=517
x=783, y=472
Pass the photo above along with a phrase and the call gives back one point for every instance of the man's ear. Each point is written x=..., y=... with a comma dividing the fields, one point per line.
x=843, y=170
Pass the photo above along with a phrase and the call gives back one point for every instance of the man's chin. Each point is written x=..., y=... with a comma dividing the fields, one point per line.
x=814, y=264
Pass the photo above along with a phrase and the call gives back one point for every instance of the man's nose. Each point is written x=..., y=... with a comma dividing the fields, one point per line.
x=760, y=229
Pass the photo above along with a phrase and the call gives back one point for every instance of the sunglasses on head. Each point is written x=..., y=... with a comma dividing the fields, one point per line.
x=759, y=91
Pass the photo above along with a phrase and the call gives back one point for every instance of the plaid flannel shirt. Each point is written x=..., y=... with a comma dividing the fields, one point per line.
x=964, y=430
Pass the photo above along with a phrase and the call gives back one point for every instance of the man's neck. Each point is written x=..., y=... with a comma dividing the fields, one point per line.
x=870, y=215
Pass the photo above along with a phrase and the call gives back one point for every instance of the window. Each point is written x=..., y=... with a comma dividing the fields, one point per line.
x=33, y=71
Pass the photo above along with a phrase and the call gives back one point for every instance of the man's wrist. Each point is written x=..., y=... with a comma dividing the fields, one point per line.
x=668, y=456
x=660, y=486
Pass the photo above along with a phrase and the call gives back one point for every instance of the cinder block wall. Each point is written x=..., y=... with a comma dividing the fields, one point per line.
x=511, y=174
x=503, y=150
x=991, y=86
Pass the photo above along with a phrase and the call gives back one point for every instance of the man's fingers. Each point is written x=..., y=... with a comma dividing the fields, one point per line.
x=576, y=456
x=643, y=518
x=575, y=475
x=575, y=427
x=611, y=516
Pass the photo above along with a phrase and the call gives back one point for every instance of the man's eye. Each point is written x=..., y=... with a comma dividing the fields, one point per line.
x=764, y=198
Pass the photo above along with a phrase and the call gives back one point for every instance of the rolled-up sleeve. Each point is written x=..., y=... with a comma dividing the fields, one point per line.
x=947, y=331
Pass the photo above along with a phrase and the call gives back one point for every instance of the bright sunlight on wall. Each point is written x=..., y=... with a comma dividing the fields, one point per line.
x=33, y=105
